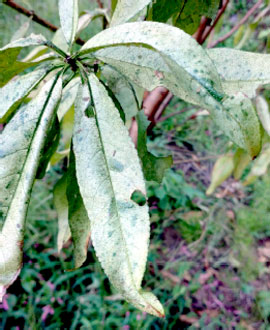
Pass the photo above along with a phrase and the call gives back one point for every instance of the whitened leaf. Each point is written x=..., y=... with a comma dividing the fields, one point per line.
x=21, y=32
x=61, y=206
x=241, y=123
x=13, y=92
x=241, y=71
x=68, y=97
x=263, y=112
x=154, y=54
x=21, y=143
x=108, y=172
x=68, y=12
x=126, y=9
x=59, y=40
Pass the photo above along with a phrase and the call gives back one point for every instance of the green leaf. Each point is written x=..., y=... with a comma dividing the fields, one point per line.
x=126, y=93
x=153, y=167
x=241, y=123
x=9, y=66
x=61, y=206
x=89, y=16
x=50, y=146
x=69, y=13
x=77, y=216
x=223, y=168
x=155, y=54
x=162, y=10
x=241, y=160
x=13, y=92
x=126, y=9
x=192, y=11
x=21, y=144
x=241, y=71
x=108, y=173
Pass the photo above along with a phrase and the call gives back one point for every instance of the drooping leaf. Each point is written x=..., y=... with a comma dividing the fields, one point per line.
x=69, y=13
x=154, y=54
x=108, y=173
x=13, y=92
x=77, y=216
x=241, y=160
x=21, y=144
x=260, y=165
x=263, y=112
x=222, y=169
x=153, y=167
x=61, y=206
x=50, y=146
x=241, y=121
x=9, y=66
x=126, y=9
x=241, y=71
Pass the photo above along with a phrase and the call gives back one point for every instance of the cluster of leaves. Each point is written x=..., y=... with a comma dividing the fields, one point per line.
x=103, y=190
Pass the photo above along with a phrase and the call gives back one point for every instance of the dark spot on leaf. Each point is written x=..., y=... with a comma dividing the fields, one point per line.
x=89, y=112
x=138, y=197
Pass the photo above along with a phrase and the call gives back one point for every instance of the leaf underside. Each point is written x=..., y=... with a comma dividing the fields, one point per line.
x=108, y=172
x=21, y=144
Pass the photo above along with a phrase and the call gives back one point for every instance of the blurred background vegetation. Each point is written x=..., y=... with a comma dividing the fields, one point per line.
x=209, y=258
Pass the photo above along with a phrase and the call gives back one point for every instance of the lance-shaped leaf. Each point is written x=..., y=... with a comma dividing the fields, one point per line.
x=9, y=66
x=61, y=206
x=263, y=112
x=155, y=54
x=241, y=71
x=241, y=160
x=128, y=94
x=13, y=92
x=126, y=9
x=21, y=144
x=79, y=222
x=153, y=167
x=68, y=97
x=69, y=13
x=109, y=172
x=241, y=123
x=223, y=168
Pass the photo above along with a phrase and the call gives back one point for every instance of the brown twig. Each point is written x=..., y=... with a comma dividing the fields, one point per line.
x=100, y=4
x=197, y=160
x=160, y=120
x=36, y=18
x=204, y=24
x=237, y=26
x=209, y=29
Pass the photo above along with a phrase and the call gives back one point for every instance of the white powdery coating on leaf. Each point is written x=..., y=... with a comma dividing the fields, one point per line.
x=127, y=9
x=68, y=12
